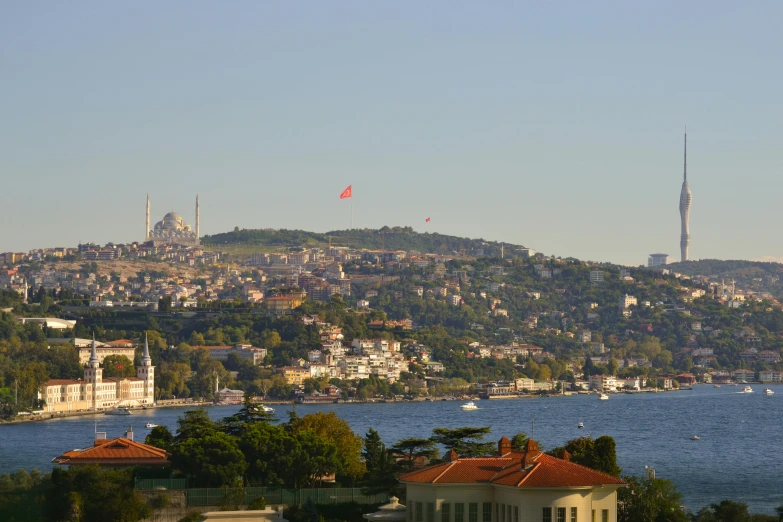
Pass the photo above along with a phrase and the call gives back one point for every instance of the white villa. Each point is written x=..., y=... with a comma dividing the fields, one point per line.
x=513, y=486
x=97, y=393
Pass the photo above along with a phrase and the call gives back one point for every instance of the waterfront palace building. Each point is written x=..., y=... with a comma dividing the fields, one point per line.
x=512, y=486
x=94, y=393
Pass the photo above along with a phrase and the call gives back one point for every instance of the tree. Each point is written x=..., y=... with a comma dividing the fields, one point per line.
x=654, y=500
x=335, y=430
x=118, y=366
x=195, y=424
x=467, y=441
x=250, y=413
x=211, y=461
x=380, y=473
x=88, y=493
x=413, y=452
x=160, y=437
x=724, y=511
x=605, y=456
x=519, y=441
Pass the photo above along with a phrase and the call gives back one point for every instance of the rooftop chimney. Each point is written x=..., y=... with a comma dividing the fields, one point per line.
x=504, y=446
x=531, y=452
x=451, y=456
x=129, y=433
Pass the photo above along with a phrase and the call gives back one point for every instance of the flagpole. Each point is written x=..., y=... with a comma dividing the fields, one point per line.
x=351, y=213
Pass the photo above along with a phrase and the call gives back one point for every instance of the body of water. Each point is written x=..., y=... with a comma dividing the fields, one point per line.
x=738, y=456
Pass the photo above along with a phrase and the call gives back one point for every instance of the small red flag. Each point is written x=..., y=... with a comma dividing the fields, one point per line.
x=427, y=220
x=347, y=193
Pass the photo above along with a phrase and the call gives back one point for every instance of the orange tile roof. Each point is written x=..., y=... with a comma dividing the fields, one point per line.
x=516, y=468
x=113, y=452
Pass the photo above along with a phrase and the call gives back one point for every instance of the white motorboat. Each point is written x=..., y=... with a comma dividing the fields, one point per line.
x=768, y=391
x=695, y=437
x=118, y=411
x=747, y=389
x=267, y=409
x=151, y=425
x=469, y=406
x=716, y=386
x=580, y=425
x=603, y=397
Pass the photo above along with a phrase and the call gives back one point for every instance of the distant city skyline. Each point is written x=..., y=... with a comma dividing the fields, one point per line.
x=558, y=129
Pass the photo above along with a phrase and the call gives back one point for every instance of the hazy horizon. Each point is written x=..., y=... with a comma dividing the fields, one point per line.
x=560, y=129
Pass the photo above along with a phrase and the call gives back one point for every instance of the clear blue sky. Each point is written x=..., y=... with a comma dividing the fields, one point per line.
x=557, y=125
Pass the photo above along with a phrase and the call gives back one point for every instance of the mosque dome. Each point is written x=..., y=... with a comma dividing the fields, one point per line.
x=172, y=223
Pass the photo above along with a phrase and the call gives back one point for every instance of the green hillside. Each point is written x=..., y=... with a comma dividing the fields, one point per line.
x=396, y=238
x=749, y=275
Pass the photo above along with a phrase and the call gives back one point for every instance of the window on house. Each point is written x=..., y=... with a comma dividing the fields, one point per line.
x=419, y=512
x=430, y=512
x=546, y=516
x=516, y=513
x=473, y=512
x=445, y=512
x=561, y=513
x=497, y=512
x=459, y=512
x=573, y=514
x=593, y=518
x=486, y=512
x=604, y=515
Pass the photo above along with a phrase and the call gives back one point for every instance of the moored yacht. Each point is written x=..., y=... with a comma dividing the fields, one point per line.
x=120, y=410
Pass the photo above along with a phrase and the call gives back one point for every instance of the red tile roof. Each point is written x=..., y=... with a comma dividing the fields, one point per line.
x=522, y=469
x=119, y=451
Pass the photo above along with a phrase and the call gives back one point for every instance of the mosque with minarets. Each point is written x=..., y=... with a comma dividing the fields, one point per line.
x=172, y=229
x=96, y=393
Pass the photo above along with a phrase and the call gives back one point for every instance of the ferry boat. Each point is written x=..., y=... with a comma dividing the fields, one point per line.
x=768, y=391
x=469, y=406
x=603, y=397
x=118, y=411
x=151, y=425
x=747, y=389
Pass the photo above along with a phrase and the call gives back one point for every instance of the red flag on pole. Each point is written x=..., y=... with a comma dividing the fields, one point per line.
x=347, y=193
x=427, y=220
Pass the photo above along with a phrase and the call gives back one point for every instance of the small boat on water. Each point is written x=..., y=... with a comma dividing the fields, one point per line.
x=716, y=386
x=469, y=406
x=695, y=437
x=747, y=389
x=768, y=391
x=267, y=409
x=151, y=425
x=118, y=411
x=603, y=397
x=580, y=425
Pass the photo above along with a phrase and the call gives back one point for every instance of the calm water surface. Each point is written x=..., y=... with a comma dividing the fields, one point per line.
x=738, y=456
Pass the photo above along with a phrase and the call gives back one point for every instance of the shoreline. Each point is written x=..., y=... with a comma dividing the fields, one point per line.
x=176, y=403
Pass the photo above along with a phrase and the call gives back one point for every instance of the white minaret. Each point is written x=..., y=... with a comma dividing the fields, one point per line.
x=146, y=372
x=147, y=228
x=198, y=216
x=685, y=206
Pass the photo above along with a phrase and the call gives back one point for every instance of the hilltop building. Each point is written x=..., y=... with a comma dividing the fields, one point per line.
x=685, y=208
x=172, y=229
x=95, y=393
x=511, y=486
x=655, y=260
